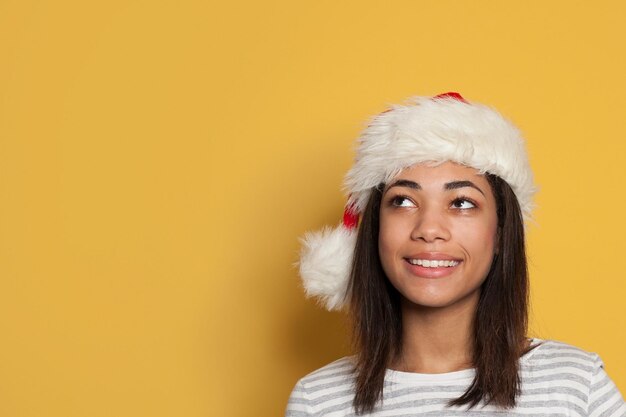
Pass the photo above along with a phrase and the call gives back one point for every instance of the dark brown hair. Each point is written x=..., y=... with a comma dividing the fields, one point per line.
x=500, y=323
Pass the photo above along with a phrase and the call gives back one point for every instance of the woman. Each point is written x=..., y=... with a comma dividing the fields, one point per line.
x=430, y=261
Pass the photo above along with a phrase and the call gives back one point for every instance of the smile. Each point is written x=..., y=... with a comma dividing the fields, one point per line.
x=431, y=268
x=431, y=263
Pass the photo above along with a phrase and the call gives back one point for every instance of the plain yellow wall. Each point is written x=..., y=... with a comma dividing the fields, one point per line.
x=160, y=159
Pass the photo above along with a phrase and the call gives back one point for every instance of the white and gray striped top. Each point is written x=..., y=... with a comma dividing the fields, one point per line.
x=557, y=380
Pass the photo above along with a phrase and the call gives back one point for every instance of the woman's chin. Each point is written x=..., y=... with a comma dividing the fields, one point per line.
x=438, y=301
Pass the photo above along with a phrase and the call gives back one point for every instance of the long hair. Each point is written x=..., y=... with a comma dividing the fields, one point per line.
x=500, y=323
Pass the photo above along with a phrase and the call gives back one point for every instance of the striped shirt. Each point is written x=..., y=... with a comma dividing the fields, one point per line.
x=557, y=379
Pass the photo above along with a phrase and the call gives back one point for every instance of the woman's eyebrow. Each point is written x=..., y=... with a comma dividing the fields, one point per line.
x=453, y=185
x=405, y=183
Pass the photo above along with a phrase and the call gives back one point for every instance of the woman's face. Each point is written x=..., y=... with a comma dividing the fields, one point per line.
x=438, y=233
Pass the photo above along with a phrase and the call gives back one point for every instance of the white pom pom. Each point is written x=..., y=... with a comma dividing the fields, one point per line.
x=325, y=263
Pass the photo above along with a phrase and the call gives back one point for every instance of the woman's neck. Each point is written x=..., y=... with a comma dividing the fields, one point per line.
x=436, y=339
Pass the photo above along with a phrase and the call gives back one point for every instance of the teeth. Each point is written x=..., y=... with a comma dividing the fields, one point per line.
x=432, y=263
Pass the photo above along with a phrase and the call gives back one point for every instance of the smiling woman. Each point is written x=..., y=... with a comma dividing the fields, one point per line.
x=430, y=264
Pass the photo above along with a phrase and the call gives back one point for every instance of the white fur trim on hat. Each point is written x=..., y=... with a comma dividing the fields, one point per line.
x=325, y=262
x=439, y=130
x=425, y=130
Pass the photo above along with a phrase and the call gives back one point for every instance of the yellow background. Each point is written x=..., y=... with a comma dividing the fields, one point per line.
x=160, y=159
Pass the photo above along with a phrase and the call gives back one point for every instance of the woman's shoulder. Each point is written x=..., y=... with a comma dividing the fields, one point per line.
x=333, y=372
x=547, y=349
x=556, y=367
x=554, y=355
x=331, y=384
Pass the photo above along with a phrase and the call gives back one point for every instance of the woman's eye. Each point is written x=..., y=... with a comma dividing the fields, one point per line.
x=462, y=203
x=401, y=201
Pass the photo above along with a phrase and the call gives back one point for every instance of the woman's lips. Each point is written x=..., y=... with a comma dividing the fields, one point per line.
x=437, y=271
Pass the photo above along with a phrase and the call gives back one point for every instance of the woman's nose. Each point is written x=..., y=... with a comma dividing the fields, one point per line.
x=430, y=226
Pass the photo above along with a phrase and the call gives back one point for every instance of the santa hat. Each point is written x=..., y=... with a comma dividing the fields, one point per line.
x=427, y=129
